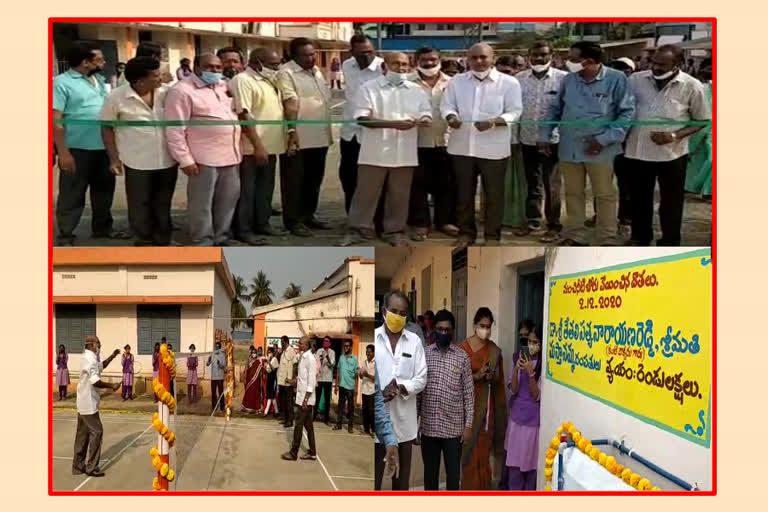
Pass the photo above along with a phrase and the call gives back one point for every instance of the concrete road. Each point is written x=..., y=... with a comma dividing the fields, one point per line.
x=212, y=455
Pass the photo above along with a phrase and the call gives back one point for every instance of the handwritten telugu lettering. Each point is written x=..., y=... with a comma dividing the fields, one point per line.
x=657, y=378
x=566, y=354
x=624, y=282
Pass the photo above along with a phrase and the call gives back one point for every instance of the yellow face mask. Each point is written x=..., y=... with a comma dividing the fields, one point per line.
x=395, y=323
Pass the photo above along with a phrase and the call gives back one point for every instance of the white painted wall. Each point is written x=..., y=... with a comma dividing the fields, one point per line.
x=363, y=293
x=222, y=305
x=130, y=280
x=324, y=315
x=595, y=420
x=418, y=260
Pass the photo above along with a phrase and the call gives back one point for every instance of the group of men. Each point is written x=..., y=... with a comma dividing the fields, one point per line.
x=407, y=136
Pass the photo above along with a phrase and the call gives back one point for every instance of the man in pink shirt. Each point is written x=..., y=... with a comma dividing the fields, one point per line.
x=209, y=155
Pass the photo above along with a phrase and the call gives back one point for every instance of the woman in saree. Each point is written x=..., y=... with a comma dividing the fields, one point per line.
x=489, y=423
x=254, y=382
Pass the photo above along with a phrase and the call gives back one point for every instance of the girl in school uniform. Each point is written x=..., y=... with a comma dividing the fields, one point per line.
x=192, y=375
x=127, y=361
x=62, y=372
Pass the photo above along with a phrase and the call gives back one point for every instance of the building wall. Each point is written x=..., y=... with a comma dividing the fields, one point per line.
x=321, y=316
x=222, y=305
x=363, y=281
x=116, y=327
x=595, y=420
x=418, y=260
x=130, y=280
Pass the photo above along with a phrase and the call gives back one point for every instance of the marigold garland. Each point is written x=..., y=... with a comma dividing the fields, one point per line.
x=594, y=453
x=163, y=470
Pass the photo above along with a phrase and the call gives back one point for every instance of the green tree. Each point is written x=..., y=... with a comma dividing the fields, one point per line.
x=261, y=290
x=292, y=291
x=237, y=310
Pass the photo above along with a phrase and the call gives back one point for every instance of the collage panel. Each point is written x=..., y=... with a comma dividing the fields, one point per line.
x=207, y=366
x=545, y=369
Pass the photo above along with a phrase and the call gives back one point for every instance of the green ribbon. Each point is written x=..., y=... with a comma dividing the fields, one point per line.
x=267, y=122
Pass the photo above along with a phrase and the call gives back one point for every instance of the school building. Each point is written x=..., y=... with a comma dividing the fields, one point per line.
x=135, y=296
x=180, y=39
x=507, y=280
x=341, y=307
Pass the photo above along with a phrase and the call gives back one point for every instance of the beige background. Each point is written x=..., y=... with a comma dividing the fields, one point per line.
x=741, y=279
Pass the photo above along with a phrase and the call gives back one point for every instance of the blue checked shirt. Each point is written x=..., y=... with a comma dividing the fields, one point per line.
x=605, y=98
x=382, y=426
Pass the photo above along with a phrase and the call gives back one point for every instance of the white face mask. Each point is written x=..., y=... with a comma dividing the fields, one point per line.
x=540, y=68
x=268, y=73
x=666, y=75
x=429, y=71
x=481, y=75
x=534, y=348
x=396, y=78
x=574, y=67
x=482, y=333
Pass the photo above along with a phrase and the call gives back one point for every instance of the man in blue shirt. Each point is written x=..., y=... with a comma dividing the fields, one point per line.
x=83, y=162
x=596, y=105
x=346, y=385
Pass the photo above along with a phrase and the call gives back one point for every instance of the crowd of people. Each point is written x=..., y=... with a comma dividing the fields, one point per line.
x=449, y=397
x=413, y=143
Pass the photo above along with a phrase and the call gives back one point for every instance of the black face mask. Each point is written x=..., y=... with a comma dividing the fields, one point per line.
x=444, y=339
x=523, y=341
x=230, y=72
x=364, y=61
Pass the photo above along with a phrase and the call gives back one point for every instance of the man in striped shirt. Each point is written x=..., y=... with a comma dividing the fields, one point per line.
x=446, y=405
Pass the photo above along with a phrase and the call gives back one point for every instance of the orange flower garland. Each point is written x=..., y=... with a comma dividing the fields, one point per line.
x=167, y=357
x=594, y=453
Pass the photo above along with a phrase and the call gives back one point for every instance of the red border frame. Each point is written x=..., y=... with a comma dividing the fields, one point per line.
x=713, y=492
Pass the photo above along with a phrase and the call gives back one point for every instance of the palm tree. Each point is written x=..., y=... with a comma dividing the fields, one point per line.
x=237, y=310
x=261, y=291
x=292, y=291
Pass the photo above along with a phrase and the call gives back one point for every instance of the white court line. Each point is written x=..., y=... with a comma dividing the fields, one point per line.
x=338, y=104
x=70, y=458
x=353, y=478
x=115, y=457
x=330, y=478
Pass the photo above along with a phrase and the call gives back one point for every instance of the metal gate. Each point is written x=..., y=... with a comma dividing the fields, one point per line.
x=459, y=291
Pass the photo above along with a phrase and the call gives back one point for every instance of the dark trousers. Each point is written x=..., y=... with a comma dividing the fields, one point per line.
x=149, y=195
x=492, y=174
x=368, y=413
x=300, y=178
x=323, y=389
x=87, y=442
x=435, y=176
x=91, y=172
x=127, y=392
x=62, y=392
x=254, y=208
x=402, y=482
x=286, y=400
x=304, y=420
x=346, y=398
x=671, y=178
x=217, y=399
x=520, y=480
x=192, y=393
x=431, y=450
x=544, y=187
x=350, y=151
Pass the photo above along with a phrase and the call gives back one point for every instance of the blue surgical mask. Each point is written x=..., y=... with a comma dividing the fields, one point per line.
x=210, y=77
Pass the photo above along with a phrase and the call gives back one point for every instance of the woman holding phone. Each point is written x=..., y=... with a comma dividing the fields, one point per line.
x=522, y=439
x=490, y=419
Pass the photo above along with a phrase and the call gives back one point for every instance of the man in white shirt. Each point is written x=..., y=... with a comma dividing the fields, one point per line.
x=89, y=430
x=402, y=369
x=479, y=107
x=663, y=93
x=389, y=108
x=360, y=68
x=285, y=381
x=150, y=172
x=539, y=86
x=434, y=174
x=306, y=380
x=327, y=358
x=306, y=97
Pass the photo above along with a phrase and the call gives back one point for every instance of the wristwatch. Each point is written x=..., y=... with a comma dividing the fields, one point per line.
x=674, y=135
